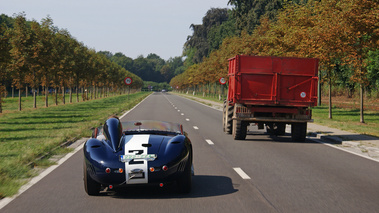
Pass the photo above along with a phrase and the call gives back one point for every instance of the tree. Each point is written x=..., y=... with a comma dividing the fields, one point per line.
x=20, y=52
x=4, y=60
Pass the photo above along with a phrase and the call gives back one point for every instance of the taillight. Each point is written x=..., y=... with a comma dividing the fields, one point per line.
x=108, y=170
x=164, y=168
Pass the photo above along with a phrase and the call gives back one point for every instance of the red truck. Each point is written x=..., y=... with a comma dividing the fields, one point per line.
x=271, y=92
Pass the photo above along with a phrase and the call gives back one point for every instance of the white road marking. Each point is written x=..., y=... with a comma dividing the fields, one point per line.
x=182, y=114
x=209, y=142
x=195, y=127
x=187, y=119
x=178, y=110
x=241, y=173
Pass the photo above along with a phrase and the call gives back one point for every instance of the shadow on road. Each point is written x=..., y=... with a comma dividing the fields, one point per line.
x=202, y=186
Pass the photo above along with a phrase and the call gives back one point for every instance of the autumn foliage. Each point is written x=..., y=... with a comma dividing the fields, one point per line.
x=336, y=32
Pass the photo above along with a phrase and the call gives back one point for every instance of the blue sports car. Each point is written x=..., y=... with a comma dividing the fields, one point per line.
x=121, y=154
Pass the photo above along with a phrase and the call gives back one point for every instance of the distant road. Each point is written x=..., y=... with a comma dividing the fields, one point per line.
x=259, y=174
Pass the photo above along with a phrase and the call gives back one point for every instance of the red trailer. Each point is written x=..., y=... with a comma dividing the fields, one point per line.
x=271, y=92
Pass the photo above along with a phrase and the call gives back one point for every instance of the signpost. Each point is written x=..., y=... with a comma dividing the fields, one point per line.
x=222, y=82
x=128, y=81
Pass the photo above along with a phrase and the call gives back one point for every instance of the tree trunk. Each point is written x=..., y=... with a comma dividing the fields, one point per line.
x=362, y=120
x=12, y=92
x=319, y=89
x=1, y=107
x=26, y=91
x=63, y=95
x=77, y=95
x=56, y=96
x=34, y=98
x=70, y=95
x=330, y=98
x=19, y=100
x=46, y=96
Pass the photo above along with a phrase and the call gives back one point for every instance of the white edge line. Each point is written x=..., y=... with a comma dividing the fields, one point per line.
x=5, y=201
x=209, y=142
x=342, y=149
x=241, y=173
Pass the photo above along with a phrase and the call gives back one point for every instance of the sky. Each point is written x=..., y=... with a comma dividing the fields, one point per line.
x=134, y=28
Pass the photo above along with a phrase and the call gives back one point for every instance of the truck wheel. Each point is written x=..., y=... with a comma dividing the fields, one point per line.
x=229, y=119
x=91, y=186
x=276, y=128
x=239, y=130
x=224, y=116
x=298, y=132
x=280, y=129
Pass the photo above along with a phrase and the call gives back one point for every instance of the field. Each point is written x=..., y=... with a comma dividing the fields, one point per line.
x=27, y=135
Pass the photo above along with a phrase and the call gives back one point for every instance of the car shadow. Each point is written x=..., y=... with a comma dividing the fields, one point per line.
x=202, y=186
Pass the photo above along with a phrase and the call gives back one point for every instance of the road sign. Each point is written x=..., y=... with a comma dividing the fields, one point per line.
x=222, y=81
x=128, y=80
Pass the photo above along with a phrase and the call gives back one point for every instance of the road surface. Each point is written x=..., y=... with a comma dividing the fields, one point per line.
x=259, y=174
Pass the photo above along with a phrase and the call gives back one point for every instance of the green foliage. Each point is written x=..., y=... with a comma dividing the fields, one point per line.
x=36, y=55
x=198, y=42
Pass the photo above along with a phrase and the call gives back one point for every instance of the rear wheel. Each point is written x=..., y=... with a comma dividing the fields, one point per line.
x=239, y=130
x=276, y=128
x=91, y=186
x=185, y=181
x=298, y=132
x=229, y=119
x=224, y=116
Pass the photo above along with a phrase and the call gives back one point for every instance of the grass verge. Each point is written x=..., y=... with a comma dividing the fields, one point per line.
x=29, y=134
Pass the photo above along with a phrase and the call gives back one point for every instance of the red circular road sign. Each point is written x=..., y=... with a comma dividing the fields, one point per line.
x=222, y=81
x=128, y=80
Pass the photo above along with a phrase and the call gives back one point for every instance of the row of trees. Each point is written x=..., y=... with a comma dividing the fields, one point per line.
x=37, y=55
x=342, y=34
x=151, y=68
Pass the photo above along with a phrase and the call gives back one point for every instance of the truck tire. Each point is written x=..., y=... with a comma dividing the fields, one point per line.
x=276, y=128
x=280, y=129
x=224, y=116
x=239, y=130
x=298, y=132
x=229, y=119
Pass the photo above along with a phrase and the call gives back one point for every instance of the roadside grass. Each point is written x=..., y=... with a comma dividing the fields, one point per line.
x=347, y=119
x=27, y=135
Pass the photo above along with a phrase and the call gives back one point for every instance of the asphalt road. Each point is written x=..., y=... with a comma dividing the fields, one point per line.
x=259, y=174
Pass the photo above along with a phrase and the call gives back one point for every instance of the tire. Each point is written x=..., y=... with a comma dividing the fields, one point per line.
x=276, y=128
x=239, y=130
x=185, y=181
x=91, y=186
x=224, y=116
x=229, y=119
x=298, y=132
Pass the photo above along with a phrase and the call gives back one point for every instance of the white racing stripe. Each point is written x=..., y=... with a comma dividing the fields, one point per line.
x=134, y=146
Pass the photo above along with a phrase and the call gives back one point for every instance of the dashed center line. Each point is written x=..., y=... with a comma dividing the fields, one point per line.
x=187, y=119
x=241, y=173
x=195, y=127
x=182, y=114
x=209, y=142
